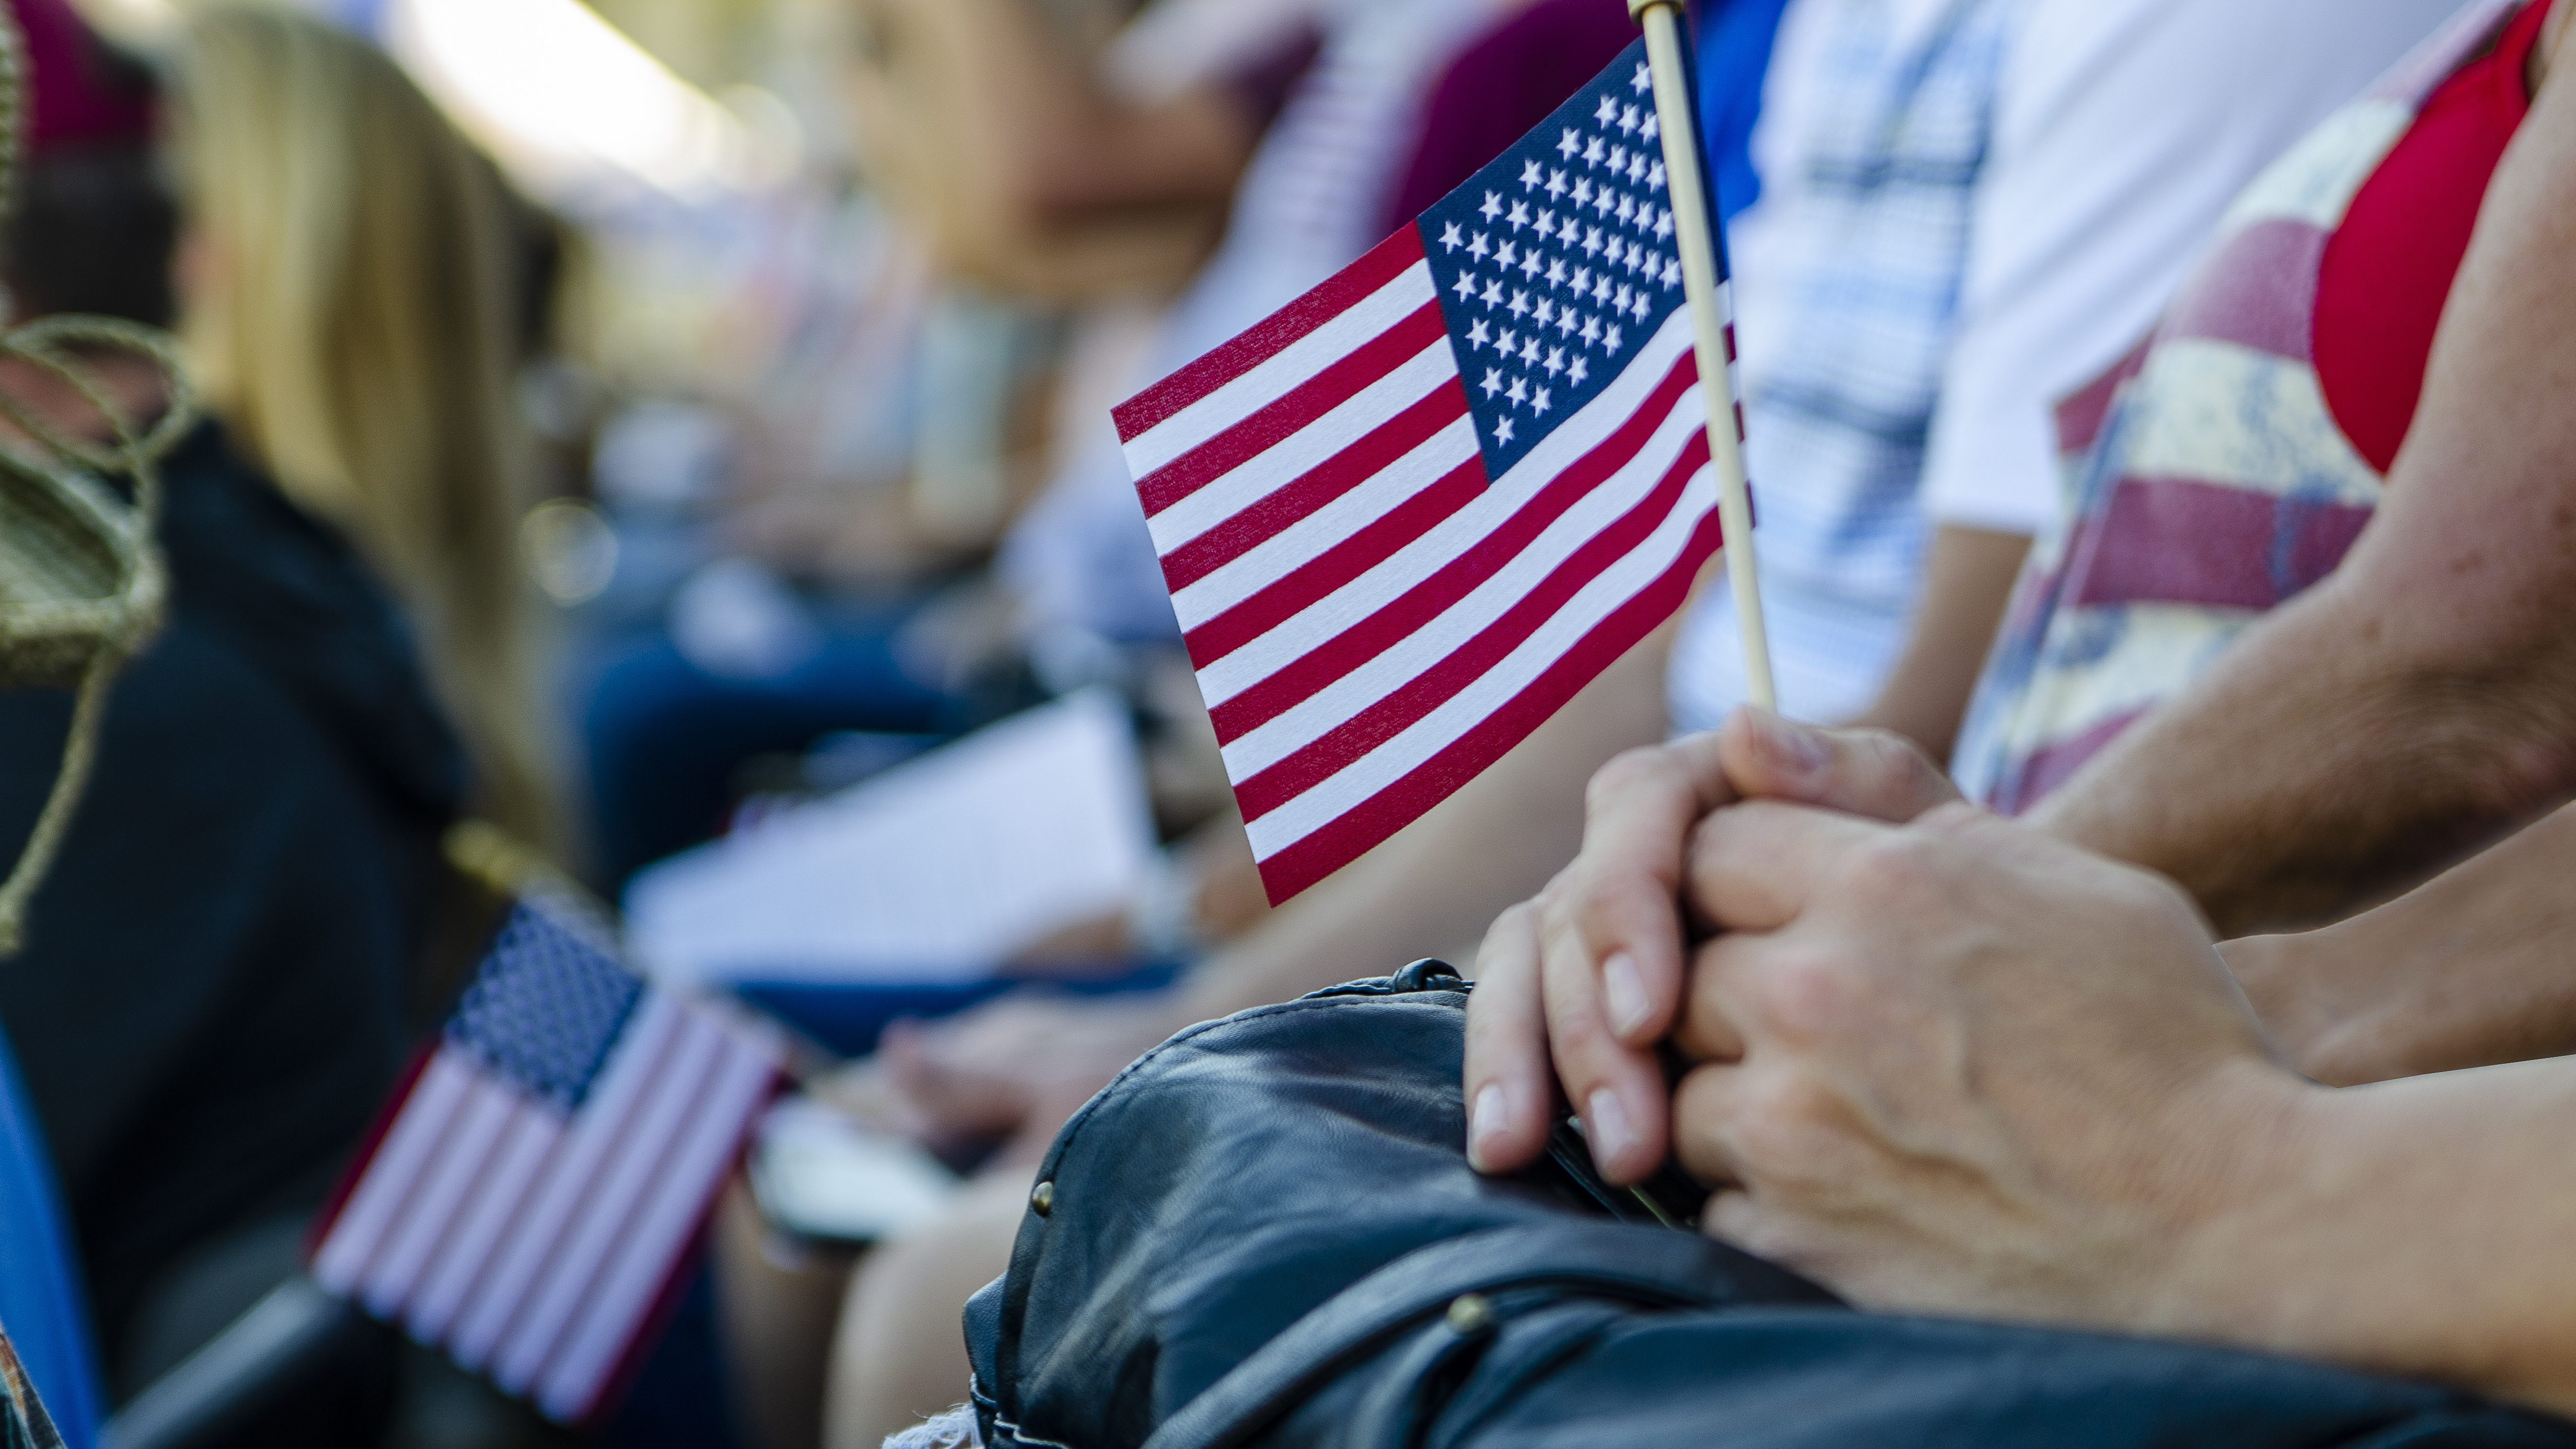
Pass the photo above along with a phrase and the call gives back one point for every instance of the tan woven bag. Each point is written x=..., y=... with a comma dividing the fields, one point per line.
x=81, y=584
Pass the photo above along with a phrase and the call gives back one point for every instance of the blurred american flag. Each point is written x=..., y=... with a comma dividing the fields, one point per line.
x=540, y=1182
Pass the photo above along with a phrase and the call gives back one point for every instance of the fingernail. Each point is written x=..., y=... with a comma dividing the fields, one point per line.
x=1623, y=990
x=1488, y=1118
x=1802, y=746
x=1606, y=1123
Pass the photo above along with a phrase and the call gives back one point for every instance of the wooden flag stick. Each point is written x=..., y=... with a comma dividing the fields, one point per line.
x=1694, y=223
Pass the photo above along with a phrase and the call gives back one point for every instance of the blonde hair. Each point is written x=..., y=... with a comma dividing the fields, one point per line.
x=351, y=324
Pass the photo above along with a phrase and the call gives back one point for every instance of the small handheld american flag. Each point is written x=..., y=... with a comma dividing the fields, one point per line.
x=1409, y=516
x=539, y=1183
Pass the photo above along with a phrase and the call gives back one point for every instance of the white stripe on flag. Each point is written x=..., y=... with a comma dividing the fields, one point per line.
x=387, y=1181
x=527, y=1143
x=647, y=1249
x=431, y=1210
x=1317, y=624
x=1281, y=554
x=1605, y=504
x=1311, y=446
x=1277, y=376
x=571, y=1176
x=621, y=1179
x=1390, y=762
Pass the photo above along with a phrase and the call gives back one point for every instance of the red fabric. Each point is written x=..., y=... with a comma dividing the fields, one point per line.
x=2388, y=269
x=1500, y=87
x=73, y=97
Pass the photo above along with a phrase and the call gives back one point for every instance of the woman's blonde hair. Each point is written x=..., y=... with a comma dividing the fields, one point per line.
x=350, y=321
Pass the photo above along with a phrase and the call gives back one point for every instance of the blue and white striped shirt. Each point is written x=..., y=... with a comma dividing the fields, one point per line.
x=1848, y=273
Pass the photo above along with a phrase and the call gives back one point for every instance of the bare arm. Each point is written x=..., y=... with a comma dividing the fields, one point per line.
x=1968, y=579
x=2425, y=695
x=2471, y=970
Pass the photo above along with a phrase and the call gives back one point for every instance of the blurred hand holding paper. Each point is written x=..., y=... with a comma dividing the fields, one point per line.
x=936, y=871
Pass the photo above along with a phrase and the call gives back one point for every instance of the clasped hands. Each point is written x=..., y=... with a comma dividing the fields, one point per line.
x=1939, y=1061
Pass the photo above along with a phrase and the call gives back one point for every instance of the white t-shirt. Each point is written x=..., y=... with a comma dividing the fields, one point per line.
x=2120, y=131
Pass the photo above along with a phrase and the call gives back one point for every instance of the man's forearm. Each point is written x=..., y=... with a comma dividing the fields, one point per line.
x=2329, y=759
x=1436, y=886
x=2417, y=1228
x=2469, y=971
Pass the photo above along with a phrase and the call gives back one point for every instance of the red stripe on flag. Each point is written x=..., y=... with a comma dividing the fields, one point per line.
x=549, y=1231
x=433, y=1169
x=1321, y=575
x=1327, y=481
x=1338, y=748
x=1366, y=825
x=1274, y=335
x=468, y=1174
x=1350, y=375
x=1398, y=618
x=608, y=1227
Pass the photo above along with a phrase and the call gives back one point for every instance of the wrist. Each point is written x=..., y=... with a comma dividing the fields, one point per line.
x=2255, y=1142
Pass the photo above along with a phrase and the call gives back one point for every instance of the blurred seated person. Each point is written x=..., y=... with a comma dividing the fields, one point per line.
x=217, y=987
x=1020, y=175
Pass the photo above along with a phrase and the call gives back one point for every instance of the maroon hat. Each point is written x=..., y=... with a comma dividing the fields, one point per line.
x=79, y=92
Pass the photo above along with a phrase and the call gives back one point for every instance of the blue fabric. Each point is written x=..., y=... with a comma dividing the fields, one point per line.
x=546, y=1008
x=847, y=1020
x=1847, y=308
x=665, y=737
x=1735, y=38
x=680, y=1396
x=40, y=1299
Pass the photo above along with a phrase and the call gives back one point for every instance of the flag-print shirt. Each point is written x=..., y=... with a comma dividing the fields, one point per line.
x=2232, y=463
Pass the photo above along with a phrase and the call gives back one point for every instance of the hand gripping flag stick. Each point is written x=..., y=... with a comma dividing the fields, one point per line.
x=1695, y=236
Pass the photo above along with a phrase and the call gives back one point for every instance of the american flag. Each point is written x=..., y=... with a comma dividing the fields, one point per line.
x=540, y=1182
x=1410, y=515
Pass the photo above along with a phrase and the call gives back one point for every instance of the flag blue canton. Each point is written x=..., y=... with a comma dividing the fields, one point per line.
x=1558, y=261
x=547, y=1006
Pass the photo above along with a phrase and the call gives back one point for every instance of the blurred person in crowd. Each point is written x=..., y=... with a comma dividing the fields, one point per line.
x=1024, y=178
x=357, y=332
x=1966, y=211
x=213, y=999
x=2323, y=678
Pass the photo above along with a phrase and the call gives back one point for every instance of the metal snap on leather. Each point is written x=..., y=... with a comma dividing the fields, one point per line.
x=1470, y=1314
x=1042, y=1199
x=1428, y=974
